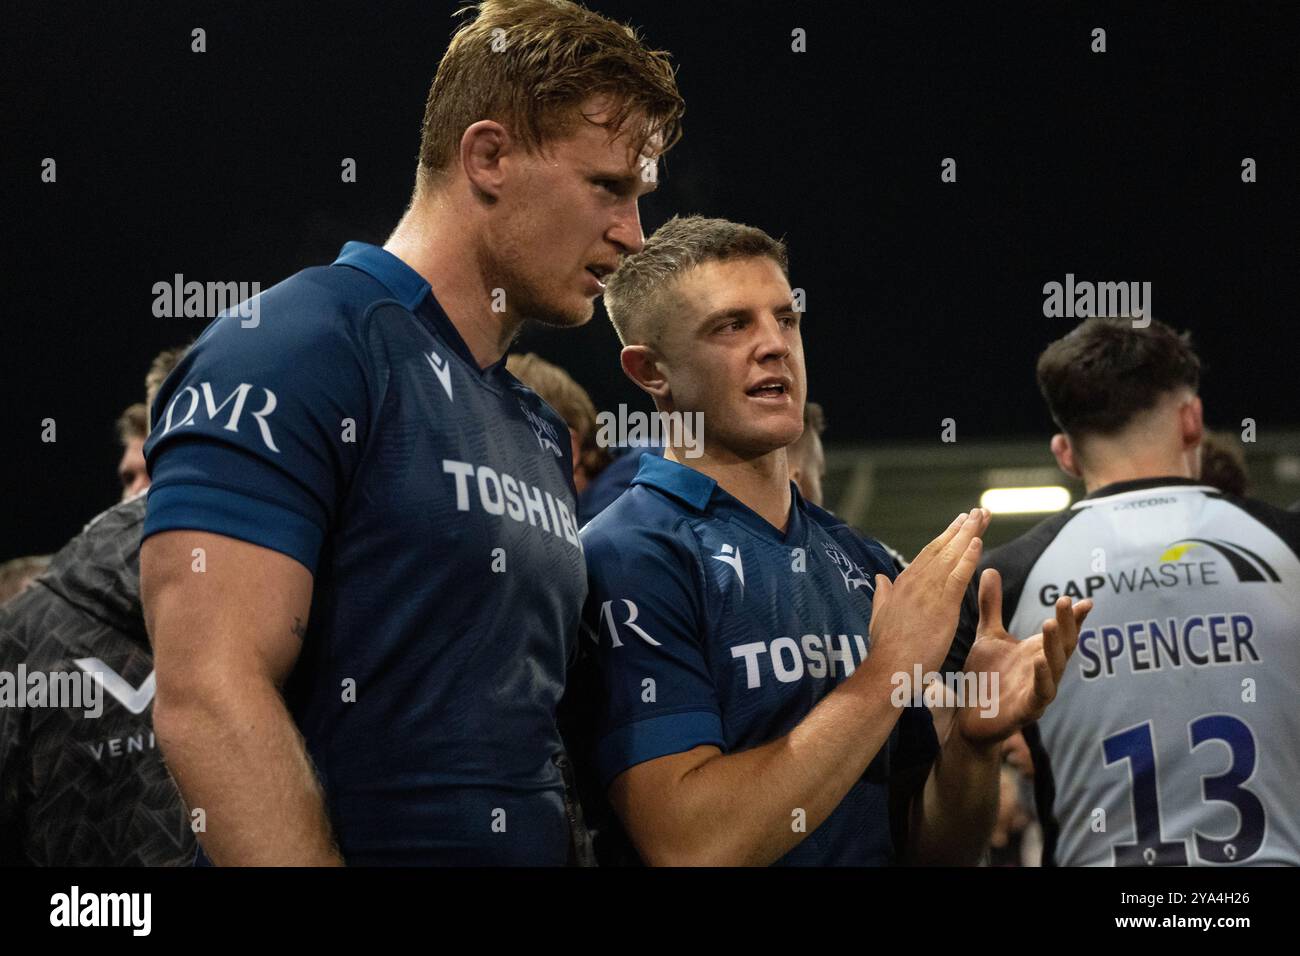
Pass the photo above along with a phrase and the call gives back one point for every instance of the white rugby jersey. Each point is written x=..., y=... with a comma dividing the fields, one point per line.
x=1174, y=738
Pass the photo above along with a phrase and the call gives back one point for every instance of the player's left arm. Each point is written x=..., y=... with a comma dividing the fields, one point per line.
x=951, y=819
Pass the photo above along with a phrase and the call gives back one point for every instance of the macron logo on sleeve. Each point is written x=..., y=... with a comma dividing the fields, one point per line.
x=442, y=370
x=731, y=556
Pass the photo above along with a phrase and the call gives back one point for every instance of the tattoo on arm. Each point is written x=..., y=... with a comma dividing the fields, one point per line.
x=298, y=629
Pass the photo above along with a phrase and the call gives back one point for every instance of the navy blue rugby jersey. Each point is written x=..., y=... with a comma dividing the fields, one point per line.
x=713, y=627
x=350, y=428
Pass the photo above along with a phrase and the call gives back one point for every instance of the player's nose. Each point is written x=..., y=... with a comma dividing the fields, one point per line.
x=625, y=232
x=772, y=343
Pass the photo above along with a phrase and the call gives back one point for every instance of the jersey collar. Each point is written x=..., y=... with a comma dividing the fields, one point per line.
x=687, y=485
x=1143, y=484
x=410, y=289
x=699, y=491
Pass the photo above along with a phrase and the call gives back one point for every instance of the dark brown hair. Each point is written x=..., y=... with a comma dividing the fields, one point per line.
x=1223, y=463
x=1101, y=375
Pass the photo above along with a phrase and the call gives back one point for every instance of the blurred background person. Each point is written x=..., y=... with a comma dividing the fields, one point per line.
x=807, y=457
x=1223, y=464
x=132, y=429
x=558, y=389
x=78, y=791
x=133, y=425
x=16, y=575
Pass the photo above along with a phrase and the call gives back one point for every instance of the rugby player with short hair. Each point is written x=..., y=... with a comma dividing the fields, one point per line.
x=749, y=644
x=361, y=569
x=1173, y=737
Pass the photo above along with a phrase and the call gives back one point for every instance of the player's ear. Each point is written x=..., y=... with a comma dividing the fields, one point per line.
x=1192, y=419
x=641, y=365
x=483, y=146
x=1064, y=453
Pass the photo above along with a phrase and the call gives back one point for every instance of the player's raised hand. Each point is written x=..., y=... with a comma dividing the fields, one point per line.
x=913, y=618
x=1026, y=672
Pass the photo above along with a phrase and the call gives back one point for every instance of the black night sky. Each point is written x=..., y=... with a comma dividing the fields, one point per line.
x=924, y=298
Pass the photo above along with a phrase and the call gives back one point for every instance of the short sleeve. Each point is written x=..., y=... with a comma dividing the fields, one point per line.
x=257, y=432
x=643, y=612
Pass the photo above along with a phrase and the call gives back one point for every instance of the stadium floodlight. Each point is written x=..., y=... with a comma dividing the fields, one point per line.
x=1041, y=498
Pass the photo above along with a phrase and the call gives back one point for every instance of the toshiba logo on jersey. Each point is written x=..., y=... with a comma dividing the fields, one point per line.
x=1171, y=572
x=202, y=401
x=502, y=494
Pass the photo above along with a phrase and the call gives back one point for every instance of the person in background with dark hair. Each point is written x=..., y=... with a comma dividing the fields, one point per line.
x=1223, y=464
x=77, y=790
x=1172, y=740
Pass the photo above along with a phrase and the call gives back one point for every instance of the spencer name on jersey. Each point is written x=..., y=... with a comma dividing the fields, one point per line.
x=1196, y=641
x=1172, y=736
x=713, y=628
x=352, y=430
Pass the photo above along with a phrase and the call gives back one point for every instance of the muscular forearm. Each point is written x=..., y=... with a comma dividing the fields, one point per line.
x=754, y=806
x=241, y=760
x=953, y=816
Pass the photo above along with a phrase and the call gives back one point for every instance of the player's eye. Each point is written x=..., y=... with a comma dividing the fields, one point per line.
x=790, y=321
x=609, y=185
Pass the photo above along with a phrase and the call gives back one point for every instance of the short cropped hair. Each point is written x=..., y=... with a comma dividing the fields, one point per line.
x=1105, y=373
x=528, y=63
x=635, y=296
